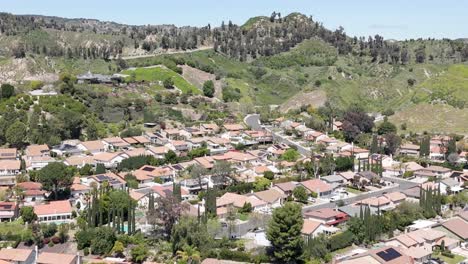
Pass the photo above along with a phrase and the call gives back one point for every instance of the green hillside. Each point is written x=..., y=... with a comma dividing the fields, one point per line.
x=159, y=74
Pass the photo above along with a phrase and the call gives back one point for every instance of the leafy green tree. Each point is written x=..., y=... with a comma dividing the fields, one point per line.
x=246, y=208
x=261, y=184
x=290, y=155
x=386, y=127
x=100, y=168
x=284, y=233
x=54, y=177
x=344, y=163
x=190, y=232
x=27, y=214
x=16, y=134
x=86, y=170
x=131, y=181
x=300, y=194
x=168, y=83
x=171, y=157
x=269, y=175
x=208, y=88
x=7, y=90
x=103, y=240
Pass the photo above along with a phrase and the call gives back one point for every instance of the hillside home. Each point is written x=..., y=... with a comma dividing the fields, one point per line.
x=8, y=153
x=383, y=255
x=321, y=188
x=80, y=161
x=17, y=256
x=32, y=192
x=327, y=216
x=409, y=150
x=156, y=138
x=158, y=152
x=8, y=171
x=272, y=197
x=114, y=144
x=93, y=147
x=110, y=178
x=57, y=258
x=110, y=160
x=8, y=211
x=311, y=228
x=237, y=201
x=54, y=212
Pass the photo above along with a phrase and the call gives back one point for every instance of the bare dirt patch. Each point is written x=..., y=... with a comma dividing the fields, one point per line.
x=315, y=99
x=198, y=77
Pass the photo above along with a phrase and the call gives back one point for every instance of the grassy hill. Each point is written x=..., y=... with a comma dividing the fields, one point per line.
x=159, y=74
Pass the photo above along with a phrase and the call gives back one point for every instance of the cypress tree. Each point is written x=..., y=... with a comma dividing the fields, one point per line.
x=133, y=219
x=374, y=145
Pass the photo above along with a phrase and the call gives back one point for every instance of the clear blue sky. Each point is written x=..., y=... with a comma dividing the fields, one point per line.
x=393, y=19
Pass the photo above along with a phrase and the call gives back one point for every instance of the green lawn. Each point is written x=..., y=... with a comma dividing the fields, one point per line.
x=352, y=190
x=161, y=74
x=457, y=259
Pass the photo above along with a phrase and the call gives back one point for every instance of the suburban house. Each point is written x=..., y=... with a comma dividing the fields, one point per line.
x=54, y=212
x=436, y=171
x=321, y=188
x=236, y=200
x=210, y=128
x=37, y=157
x=456, y=228
x=114, y=143
x=109, y=159
x=274, y=198
x=383, y=255
x=8, y=170
x=381, y=202
x=312, y=228
x=93, y=147
x=17, y=256
x=451, y=185
x=78, y=189
x=32, y=191
x=409, y=150
x=8, y=153
x=158, y=152
x=80, y=161
x=419, y=244
x=327, y=216
x=57, y=258
x=149, y=173
x=395, y=197
x=142, y=140
x=8, y=211
x=365, y=178
x=334, y=180
x=178, y=145
x=112, y=180
x=286, y=188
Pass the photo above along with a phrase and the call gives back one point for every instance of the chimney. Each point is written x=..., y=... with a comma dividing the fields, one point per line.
x=78, y=258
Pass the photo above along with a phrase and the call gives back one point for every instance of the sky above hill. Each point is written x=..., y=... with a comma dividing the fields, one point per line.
x=397, y=19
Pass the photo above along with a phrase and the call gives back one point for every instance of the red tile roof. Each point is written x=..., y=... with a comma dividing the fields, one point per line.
x=55, y=207
x=317, y=186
